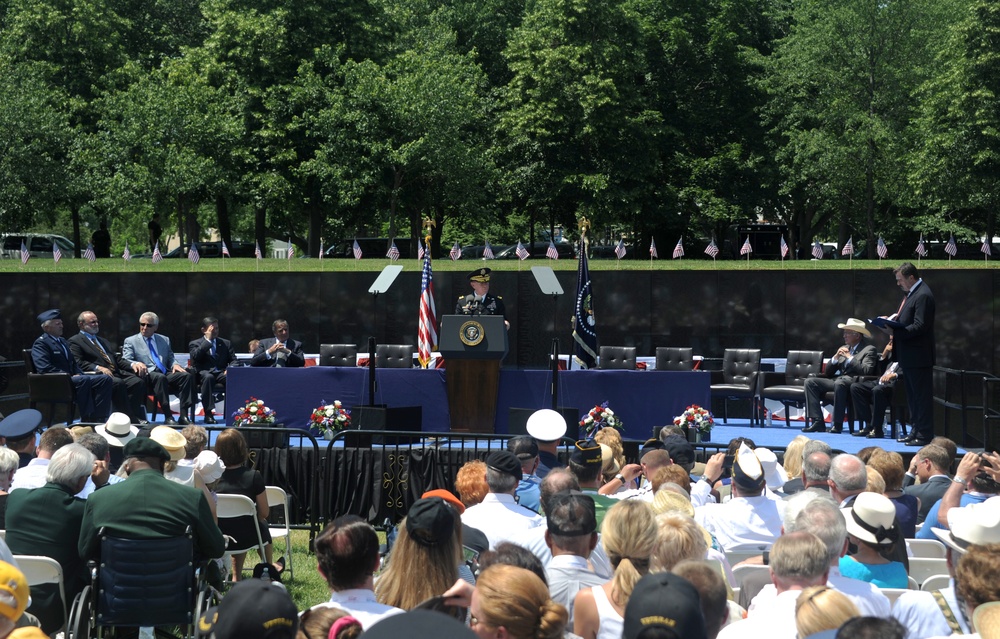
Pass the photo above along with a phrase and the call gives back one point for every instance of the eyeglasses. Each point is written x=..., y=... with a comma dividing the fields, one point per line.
x=145, y=324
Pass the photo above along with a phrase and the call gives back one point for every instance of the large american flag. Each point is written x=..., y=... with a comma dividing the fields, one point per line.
x=881, y=248
x=679, y=249
x=455, y=252
x=157, y=256
x=784, y=247
x=427, y=338
x=89, y=253
x=921, y=249
x=356, y=248
x=712, y=249
x=951, y=248
x=520, y=251
x=393, y=252
x=746, y=249
x=817, y=250
x=553, y=254
x=652, y=249
x=193, y=253
x=56, y=253
x=256, y=251
x=986, y=248
x=619, y=249
x=488, y=252
x=849, y=247
x=25, y=255
x=225, y=250
x=127, y=254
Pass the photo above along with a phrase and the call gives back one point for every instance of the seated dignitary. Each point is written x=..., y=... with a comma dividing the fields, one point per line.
x=280, y=350
x=347, y=555
x=211, y=355
x=33, y=475
x=150, y=356
x=664, y=606
x=797, y=560
x=526, y=450
x=51, y=354
x=872, y=397
x=149, y=506
x=46, y=521
x=750, y=520
x=571, y=535
x=857, y=357
x=499, y=516
x=93, y=353
x=547, y=427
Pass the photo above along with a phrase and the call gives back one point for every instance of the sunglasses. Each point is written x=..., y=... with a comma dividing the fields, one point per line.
x=145, y=324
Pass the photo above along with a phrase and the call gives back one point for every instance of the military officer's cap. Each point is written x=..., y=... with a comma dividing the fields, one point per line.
x=51, y=314
x=20, y=424
x=480, y=275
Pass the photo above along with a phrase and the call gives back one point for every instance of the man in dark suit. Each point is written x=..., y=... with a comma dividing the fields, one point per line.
x=930, y=465
x=96, y=354
x=913, y=345
x=211, y=355
x=147, y=505
x=150, y=356
x=480, y=301
x=46, y=521
x=857, y=357
x=51, y=354
x=280, y=350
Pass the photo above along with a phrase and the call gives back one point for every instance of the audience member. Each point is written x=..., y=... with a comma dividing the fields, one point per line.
x=975, y=577
x=871, y=628
x=470, y=482
x=510, y=554
x=253, y=608
x=211, y=356
x=585, y=463
x=681, y=452
x=890, y=466
x=611, y=438
x=629, y=538
x=14, y=597
x=347, y=553
x=499, y=516
x=792, y=461
x=816, y=471
x=420, y=623
x=8, y=465
x=240, y=479
x=986, y=620
x=663, y=606
x=279, y=351
x=678, y=538
x=652, y=457
x=930, y=466
x=93, y=353
x=17, y=432
x=51, y=353
x=526, y=450
x=150, y=356
x=820, y=608
x=609, y=465
x=323, y=622
x=872, y=529
x=848, y=479
x=775, y=476
x=672, y=474
x=472, y=539
x=980, y=488
x=950, y=447
x=547, y=427
x=101, y=450
x=196, y=439
x=715, y=605
x=571, y=535
x=33, y=475
x=512, y=602
x=875, y=482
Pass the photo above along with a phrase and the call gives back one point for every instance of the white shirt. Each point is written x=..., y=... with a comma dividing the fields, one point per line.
x=499, y=517
x=773, y=620
x=360, y=602
x=919, y=612
x=743, y=522
x=568, y=575
x=89, y=487
x=867, y=597
x=533, y=539
x=701, y=493
x=32, y=475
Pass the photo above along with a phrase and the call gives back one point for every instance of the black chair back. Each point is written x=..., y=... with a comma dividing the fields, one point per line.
x=338, y=355
x=617, y=357
x=740, y=366
x=670, y=358
x=801, y=365
x=394, y=356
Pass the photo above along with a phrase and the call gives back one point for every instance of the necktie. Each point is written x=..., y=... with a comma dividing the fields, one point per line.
x=100, y=347
x=62, y=345
x=213, y=349
x=155, y=356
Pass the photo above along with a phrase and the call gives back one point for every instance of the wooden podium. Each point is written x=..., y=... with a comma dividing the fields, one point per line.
x=473, y=347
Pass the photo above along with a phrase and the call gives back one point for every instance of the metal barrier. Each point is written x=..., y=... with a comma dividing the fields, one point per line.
x=991, y=411
x=964, y=392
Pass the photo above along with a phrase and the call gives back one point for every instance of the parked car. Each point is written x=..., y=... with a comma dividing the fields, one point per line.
x=38, y=244
x=371, y=247
x=566, y=251
x=206, y=250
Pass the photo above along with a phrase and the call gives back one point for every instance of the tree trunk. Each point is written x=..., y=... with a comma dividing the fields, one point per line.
x=222, y=218
x=75, y=213
x=259, y=228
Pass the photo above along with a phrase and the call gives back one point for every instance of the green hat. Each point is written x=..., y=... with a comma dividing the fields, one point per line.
x=587, y=452
x=146, y=447
x=480, y=275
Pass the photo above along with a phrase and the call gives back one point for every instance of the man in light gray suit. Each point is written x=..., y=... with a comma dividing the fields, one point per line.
x=151, y=357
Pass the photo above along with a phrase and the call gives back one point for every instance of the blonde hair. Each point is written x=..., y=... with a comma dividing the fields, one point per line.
x=792, y=459
x=629, y=537
x=470, y=482
x=417, y=572
x=519, y=600
x=875, y=482
x=613, y=440
x=820, y=608
x=678, y=537
x=890, y=466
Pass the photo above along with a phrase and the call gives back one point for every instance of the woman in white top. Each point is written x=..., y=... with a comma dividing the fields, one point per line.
x=629, y=535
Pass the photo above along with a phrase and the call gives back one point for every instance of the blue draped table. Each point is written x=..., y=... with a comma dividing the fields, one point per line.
x=642, y=399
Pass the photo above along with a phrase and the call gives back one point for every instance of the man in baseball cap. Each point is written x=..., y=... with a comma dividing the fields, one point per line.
x=499, y=516
x=252, y=608
x=664, y=600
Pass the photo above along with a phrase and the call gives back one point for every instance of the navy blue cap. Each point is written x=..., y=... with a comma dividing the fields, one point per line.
x=651, y=444
x=51, y=314
x=20, y=424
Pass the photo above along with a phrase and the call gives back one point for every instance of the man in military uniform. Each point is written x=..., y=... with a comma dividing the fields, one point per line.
x=479, y=301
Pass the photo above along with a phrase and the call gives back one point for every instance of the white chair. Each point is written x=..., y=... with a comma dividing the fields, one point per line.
x=923, y=567
x=893, y=593
x=278, y=498
x=742, y=554
x=937, y=582
x=926, y=548
x=911, y=583
x=231, y=506
x=40, y=570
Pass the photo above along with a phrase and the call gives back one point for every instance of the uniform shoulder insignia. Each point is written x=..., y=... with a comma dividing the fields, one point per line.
x=500, y=297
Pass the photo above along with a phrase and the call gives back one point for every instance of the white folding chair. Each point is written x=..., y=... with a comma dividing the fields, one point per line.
x=737, y=555
x=278, y=498
x=231, y=506
x=926, y=548
x=40, y=570
x=923, y=567
x=893, y=593
x=937, y=582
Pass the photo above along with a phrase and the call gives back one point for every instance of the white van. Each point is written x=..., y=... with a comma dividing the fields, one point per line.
x=39, y=245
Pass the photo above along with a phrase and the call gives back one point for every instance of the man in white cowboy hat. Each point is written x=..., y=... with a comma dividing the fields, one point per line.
x=857, y=357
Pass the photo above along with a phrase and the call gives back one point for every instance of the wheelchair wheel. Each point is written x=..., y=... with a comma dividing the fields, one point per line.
x=80, y=624
x=207, y=597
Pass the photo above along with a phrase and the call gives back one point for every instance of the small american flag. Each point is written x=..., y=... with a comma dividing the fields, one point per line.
x=488, y=252
x=849, y=247
x=320, y=248
x=951, y=248
x=127, y=254
x=881, y=248
x=712, y=249
x=986, y=249
x=157, y=256
x=520, y=251
x=553, y=254
x=193, y=253
x=56, y=253
x=817, y=251
x=225, y=250
x=455, y=252
x=291, y=249
x=784, y=247
x=89, y=253
x=25, y=255
x=619, y=250
x=393, y=252
x=652, y=249
x=256, y=251
x=679, y=249
x=357, y=250
x=921, y=249
x=746, y=248
x=420, y=251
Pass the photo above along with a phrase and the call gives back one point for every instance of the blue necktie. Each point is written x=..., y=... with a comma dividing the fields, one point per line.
x=156, y=358
x=213, y=349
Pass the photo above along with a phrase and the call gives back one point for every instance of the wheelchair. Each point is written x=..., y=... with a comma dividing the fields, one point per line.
x=142, y=582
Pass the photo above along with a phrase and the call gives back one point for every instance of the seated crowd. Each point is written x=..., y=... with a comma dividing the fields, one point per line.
x=662, y=547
